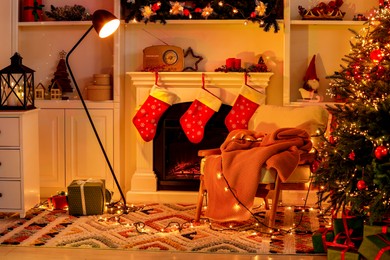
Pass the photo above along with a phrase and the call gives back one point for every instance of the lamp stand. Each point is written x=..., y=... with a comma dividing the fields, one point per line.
x=89, y=116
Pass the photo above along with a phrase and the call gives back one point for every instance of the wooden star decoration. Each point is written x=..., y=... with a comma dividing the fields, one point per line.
x=198, y=59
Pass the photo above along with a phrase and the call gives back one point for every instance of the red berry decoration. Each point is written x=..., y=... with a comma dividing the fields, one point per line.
x=381, y=152
x=361, y=185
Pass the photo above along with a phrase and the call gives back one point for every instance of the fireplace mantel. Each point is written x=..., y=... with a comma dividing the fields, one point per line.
x=185, y=85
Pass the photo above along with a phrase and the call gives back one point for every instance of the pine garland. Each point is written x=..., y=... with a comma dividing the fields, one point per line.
x=263, y=12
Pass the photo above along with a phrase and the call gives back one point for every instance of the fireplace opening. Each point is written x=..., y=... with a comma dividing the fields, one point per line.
x=175, y=159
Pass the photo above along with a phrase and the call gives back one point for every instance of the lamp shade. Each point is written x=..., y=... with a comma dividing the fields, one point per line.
x=105, y=23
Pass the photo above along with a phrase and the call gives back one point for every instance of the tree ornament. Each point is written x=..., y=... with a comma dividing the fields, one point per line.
x=381, y=152
x=376, y=55
x=361, y=185
x=315, y=165
x=351, y=156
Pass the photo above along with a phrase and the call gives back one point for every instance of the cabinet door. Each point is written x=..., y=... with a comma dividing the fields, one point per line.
x=84, y=157
x=51, y=147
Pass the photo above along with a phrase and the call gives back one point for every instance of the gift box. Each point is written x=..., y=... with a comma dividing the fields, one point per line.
x=354, y=228
x=376, y=229
x=32, y=10
x=319, y=239
x=86, y=197
x=376, y=246
x=336, y=253
x=58, y=202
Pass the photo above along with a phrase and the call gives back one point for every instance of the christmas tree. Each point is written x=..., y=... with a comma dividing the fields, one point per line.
x=353, y=166
x=61, y=76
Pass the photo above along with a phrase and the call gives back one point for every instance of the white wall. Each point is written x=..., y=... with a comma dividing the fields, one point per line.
x=5, y=32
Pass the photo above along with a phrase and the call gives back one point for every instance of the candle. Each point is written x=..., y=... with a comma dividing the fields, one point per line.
x=230, y=63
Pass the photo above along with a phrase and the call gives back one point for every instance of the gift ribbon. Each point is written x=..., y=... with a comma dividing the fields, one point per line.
x=384, y=229
x=325, y=231
x=343, y=253
x=386, y=248
x=347, y=232
x=34, y=9
x=82, y=183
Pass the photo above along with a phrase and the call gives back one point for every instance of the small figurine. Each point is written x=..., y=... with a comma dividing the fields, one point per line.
x=311, y=82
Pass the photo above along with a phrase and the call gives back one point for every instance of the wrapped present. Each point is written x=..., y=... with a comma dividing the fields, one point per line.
x=351, y=226
x=376, y=229
x=346, y=253
x=32, y=10
x=319, y=239
x=58, y=202
x=376, y=246
x=86, y=197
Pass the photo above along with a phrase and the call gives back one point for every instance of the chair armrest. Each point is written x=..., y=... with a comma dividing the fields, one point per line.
x=204, y=153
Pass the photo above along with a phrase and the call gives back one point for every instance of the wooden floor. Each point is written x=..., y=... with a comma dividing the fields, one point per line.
x=24, y=253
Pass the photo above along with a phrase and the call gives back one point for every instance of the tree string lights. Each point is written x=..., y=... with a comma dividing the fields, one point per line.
x=354, y=159
x=263, y=12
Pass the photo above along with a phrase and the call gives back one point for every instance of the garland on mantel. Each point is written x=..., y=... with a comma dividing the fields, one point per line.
x=264, y=12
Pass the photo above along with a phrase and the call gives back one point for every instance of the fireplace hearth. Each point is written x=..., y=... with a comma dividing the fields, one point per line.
x=186, y=85
x=175, y=159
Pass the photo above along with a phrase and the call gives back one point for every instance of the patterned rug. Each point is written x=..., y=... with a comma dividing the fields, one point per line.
x=167, y=227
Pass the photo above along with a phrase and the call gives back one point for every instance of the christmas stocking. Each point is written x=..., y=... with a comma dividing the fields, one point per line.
x=244, y=107
x=147, y=117
x=198, y=114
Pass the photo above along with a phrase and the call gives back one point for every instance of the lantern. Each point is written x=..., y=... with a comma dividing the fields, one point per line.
x=17, y=86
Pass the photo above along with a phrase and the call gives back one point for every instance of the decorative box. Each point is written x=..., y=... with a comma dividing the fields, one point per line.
x=373, y=230
x=32, y=10
x=58, y=202
x=354, y=225
x=376, y=246
x=86, y=197
x=335, y=253
x=319, y=238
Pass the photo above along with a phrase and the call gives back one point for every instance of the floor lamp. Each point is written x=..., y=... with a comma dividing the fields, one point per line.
x=105, y=24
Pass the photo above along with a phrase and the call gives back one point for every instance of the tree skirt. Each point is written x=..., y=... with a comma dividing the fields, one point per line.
x=167, y=227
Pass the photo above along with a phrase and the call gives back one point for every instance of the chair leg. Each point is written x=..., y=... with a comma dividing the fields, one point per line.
x=266, y=204
x=199, y=204
x=275, y=202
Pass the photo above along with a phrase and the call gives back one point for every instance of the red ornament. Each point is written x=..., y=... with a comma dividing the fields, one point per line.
x=156, y=7
x=381, y=152
x=332, y=139
x=314, y=166
x=361, y=185
x=376, y=55
x=351, y=156
x=186, y=12
x=253, y=15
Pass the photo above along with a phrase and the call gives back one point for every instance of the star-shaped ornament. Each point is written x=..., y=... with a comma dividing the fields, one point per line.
x=197, y=58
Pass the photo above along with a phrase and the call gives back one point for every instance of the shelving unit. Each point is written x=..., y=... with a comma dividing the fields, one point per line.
x=69, y=149
x=327, y=39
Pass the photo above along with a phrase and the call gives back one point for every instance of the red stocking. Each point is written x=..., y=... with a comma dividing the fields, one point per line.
x=244, y=107
x=198, y=114
x=147, y=117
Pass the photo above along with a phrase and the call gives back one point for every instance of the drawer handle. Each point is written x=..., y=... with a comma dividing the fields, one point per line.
x=1, y=194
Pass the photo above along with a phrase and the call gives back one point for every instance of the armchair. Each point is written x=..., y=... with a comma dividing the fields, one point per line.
x=268, y=119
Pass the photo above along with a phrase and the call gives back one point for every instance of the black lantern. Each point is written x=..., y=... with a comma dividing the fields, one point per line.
x=17, y=86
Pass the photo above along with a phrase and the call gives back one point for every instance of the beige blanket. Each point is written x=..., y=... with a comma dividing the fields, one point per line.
x=244, y=153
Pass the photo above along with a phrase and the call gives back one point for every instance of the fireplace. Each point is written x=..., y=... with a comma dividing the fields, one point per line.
x=175, y=160
x=145, y=184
